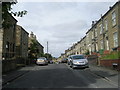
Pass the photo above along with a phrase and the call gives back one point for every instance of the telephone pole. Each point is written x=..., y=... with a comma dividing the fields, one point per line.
x=47, y=47
x=47, y=50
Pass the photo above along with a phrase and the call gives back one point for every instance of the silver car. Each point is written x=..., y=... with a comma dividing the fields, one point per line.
x=77, y=61
x=42, y=61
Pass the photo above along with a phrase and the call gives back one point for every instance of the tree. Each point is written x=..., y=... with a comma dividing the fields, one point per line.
x=48, y=56
x=7, y=8
x=33, y=50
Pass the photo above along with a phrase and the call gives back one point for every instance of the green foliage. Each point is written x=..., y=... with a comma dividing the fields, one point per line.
x=112, y=55
x=48, y=56
x=6, y=8
x=20, y=13
x=101, y=51
x=87, y=53
x=41, y=55
x=33, y=50
x=33, y=46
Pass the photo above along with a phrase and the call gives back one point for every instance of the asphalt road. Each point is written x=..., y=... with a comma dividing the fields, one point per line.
x=59, y=76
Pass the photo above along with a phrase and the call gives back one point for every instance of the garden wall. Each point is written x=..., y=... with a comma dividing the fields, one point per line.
x=8, y=65
x=109, y=63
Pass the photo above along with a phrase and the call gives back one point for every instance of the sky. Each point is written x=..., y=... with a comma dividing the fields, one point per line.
x=60, y=23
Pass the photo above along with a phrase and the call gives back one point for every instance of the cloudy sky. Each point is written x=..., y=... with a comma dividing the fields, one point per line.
x=59, y=23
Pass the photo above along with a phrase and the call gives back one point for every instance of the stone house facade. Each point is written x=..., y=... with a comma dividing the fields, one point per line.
x=21, y=43
x=107, y=28
x=40, y=48
x=7, y=44
x=89, y=41
x=104, y=34
x=78, y=48
x=7, y=39
x=83, y=45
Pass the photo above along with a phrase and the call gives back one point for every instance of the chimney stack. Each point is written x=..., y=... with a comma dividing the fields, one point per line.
x=31, y=35
x=110, y=7
x=93, y=23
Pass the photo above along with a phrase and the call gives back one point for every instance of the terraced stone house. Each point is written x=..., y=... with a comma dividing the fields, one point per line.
x=104, y=34
x=21, y=44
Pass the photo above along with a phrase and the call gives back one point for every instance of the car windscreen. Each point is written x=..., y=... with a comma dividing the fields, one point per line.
x=78, y=57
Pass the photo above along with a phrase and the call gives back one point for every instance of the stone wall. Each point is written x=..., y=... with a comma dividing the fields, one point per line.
x=109, y=63
x=93, y=59
x=8, y=65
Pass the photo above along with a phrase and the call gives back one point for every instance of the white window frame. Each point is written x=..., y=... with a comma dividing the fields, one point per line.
x=101, y=28
x=96, y=47
x=88, y=39
x=95, y=32
x=92, y=34
x=106, y=25
x=113, y=18
x=101, y=42
x=107, y=44
x=93, y=49
x=115, y=38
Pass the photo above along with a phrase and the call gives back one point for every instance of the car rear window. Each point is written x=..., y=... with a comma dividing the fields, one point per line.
x=78, y=57
x=41, y=59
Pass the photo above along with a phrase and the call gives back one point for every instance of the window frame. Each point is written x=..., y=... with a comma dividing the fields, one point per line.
x=113, y=18
x=101, y=28
x=96, y=32
x=101, y=43
x=115, y=39
x=106, y=24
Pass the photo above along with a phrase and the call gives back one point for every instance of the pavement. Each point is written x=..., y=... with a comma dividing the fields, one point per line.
x=12, y=75
x=105, y=73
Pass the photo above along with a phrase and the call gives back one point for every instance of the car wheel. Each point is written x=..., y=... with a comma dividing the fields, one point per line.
x=67, y=63
x=70, y=64
x=73, y=67
x=87, y=66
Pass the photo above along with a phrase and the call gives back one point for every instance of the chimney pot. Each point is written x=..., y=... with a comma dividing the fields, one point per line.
x=110, y=7
x=93, y=23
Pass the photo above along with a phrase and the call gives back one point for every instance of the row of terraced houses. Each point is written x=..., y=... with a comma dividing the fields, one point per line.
x=15, y=42
x=103, y=36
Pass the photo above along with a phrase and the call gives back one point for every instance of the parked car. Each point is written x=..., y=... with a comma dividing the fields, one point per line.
x=50, y=61
x=64, y=60
x=77, y=61
x=42, y=61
